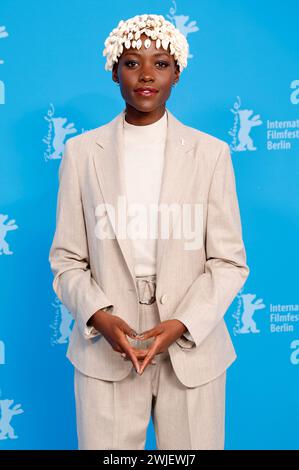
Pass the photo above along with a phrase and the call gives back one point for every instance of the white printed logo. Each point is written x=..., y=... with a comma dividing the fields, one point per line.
x=294, y=358
x=282, y=318
x=295, y=94
x=244, y=121
x=62, y=325
x=180, y=22
x=6, y=415
x=58, y=130
x=2, y=353
x=247, y=306
x=4, y=228
x=3, y=34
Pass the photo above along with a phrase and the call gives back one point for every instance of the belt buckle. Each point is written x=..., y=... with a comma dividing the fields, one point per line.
x=153, y=298
x=151, y=301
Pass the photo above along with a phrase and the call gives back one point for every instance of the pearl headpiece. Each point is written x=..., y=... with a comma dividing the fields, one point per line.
x=156, y=27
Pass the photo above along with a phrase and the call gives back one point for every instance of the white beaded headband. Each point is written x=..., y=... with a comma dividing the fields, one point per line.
x=156, y=27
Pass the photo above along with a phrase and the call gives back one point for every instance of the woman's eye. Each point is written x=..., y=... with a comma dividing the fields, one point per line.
x=130, y=62
x=161, y=63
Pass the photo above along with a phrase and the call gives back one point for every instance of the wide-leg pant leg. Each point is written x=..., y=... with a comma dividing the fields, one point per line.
x=112, y=415
x=188, y=418
x=115, y=415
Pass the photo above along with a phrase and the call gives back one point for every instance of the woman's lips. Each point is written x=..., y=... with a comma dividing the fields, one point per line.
x=146, y=92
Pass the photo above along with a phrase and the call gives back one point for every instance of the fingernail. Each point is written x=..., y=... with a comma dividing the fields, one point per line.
x=141, y=336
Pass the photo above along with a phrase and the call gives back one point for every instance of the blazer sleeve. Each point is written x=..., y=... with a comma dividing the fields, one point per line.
x=186, y=340
x=210, y=295
x=69, y=255
x=188, y=335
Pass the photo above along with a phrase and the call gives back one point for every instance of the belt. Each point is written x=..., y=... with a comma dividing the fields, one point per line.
x=146, y=288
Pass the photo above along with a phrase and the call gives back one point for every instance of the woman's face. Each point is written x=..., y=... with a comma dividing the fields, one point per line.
x=139, y=68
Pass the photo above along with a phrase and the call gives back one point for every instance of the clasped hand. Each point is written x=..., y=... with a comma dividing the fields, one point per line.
x=116, y=330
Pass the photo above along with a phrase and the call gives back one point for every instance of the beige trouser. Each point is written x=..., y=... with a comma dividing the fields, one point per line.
x=115, y=415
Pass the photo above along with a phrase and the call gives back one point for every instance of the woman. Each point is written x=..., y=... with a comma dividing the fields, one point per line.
x=149, y=336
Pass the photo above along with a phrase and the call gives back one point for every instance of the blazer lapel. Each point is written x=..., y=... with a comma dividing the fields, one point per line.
x=178, y=172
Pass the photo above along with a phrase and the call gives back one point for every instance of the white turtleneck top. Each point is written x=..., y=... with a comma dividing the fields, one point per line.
x=143, y=162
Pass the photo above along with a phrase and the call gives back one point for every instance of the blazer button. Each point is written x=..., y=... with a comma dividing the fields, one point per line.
x=163, y=299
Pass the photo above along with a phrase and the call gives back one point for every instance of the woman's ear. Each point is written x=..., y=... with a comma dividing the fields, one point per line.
x=176, y=73
x=114, y=72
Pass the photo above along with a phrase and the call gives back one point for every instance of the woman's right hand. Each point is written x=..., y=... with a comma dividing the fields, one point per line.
x=116, y=330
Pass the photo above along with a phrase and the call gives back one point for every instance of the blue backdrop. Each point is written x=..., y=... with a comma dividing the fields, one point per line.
x=241, y=85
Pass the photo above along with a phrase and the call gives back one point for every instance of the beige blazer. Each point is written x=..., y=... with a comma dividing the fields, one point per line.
x=195, y=286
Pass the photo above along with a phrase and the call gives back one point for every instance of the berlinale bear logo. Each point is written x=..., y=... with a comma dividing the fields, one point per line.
x=6, y=429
